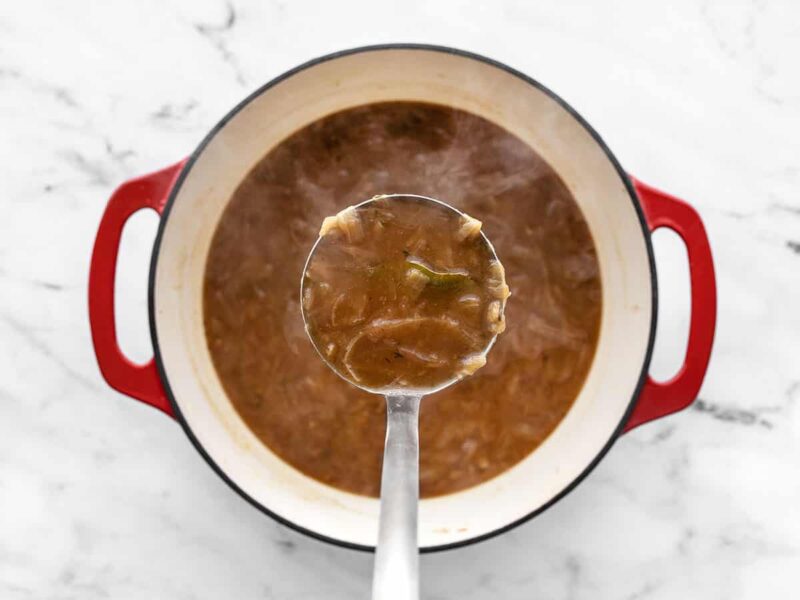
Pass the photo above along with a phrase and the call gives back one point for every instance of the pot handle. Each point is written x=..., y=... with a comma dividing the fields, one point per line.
x=659, y=399
x=138, y=381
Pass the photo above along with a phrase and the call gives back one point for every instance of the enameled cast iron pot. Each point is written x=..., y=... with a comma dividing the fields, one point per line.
x=621, y=212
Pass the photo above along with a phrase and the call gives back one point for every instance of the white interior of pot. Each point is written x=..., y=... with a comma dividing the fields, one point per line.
x=404, y=74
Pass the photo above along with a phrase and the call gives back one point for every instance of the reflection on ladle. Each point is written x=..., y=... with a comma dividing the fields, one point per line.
x=402, y=295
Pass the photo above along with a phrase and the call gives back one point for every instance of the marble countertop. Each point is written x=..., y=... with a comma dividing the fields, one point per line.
x=102, y=497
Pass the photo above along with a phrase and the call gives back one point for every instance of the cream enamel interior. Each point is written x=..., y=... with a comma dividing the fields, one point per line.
x=403, y=74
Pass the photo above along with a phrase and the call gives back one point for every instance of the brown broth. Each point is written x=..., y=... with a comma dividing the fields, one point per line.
x=403, y=294
x=303, y=411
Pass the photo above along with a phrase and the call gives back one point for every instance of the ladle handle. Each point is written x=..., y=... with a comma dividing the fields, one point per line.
x=396, y=571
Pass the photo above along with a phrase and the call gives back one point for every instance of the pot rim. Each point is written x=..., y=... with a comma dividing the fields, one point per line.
x=377, y=48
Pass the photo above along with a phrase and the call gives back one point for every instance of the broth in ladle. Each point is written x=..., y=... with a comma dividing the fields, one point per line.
x=403, y=293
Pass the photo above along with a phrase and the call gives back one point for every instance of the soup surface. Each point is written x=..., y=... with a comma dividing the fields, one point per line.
x=301, y=409
x=403, y=294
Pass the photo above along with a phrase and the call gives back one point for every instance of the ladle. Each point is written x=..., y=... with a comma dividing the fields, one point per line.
x=396, y=567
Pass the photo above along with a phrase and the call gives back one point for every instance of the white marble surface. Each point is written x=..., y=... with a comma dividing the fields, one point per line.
x=101, y=497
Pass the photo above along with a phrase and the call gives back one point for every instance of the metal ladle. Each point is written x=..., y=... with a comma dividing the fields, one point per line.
x=396, y=568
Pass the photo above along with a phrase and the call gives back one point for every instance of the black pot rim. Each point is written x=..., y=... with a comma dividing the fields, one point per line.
x=376, y=48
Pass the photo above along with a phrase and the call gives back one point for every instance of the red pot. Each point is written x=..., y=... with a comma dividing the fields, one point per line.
x=621, y=211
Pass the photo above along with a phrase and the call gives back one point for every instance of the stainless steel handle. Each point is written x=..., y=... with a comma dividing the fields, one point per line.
x=396, y=571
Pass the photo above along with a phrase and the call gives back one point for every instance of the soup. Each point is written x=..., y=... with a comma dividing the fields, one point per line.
x=403, y=294
x=304, y=412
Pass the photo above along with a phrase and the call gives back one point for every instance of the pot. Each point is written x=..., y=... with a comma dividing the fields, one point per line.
x=621, y=213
